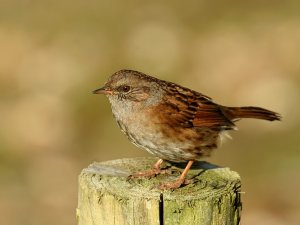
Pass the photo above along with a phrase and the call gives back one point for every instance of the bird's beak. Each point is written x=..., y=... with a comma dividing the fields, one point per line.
x=104, y=90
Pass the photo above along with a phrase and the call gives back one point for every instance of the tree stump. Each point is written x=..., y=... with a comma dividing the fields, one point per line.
x=107, y=197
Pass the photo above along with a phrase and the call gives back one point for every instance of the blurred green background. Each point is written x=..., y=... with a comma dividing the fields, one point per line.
x=54, y=53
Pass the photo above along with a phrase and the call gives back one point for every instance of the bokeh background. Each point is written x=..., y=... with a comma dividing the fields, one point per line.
x=54, y=53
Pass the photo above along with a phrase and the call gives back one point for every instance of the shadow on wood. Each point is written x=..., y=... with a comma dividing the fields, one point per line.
x=106, y=197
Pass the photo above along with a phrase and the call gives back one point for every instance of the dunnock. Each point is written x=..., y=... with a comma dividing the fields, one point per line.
x=171, y=122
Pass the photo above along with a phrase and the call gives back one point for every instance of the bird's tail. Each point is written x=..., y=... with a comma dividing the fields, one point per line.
x=235, y=113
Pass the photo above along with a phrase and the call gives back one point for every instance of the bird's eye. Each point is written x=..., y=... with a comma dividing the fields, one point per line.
x=125, y=88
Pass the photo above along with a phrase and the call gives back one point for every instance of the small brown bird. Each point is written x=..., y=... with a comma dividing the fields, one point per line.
x=171, y=122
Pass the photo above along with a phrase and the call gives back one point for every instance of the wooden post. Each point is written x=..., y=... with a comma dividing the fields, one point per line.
x=107, y=197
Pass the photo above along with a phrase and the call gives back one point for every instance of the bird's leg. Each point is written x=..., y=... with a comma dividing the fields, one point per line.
x=181, y=180
x=152, y=172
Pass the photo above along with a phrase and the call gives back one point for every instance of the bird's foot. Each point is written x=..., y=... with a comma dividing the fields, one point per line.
x=149, y=173
x=174, y=185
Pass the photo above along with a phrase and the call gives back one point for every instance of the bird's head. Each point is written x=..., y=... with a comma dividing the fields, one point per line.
x=129, y=88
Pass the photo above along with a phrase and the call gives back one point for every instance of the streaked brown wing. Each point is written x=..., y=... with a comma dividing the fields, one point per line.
x=212, y=116
x=191, y=109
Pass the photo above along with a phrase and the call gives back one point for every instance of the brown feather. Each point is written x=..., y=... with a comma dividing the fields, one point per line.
x=235, y=113
x=212, y=116
x=193, y=109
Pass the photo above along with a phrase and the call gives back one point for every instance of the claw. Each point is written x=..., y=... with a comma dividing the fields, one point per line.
x=173, y=185
x=180, y=181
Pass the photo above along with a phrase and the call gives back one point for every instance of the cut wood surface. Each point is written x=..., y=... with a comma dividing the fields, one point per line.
x=107, y=197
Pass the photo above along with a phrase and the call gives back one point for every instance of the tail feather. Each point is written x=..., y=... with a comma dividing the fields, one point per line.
x=236, y=113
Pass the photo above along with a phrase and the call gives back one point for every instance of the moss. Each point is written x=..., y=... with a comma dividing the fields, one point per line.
x=212, y=198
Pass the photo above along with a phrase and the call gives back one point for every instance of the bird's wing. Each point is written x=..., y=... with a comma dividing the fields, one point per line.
x=191, y=109
x=212, y=115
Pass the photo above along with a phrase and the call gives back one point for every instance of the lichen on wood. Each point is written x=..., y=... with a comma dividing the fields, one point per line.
x=107, y=197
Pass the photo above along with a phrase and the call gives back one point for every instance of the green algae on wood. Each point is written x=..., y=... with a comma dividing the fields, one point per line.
x=107, y=197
